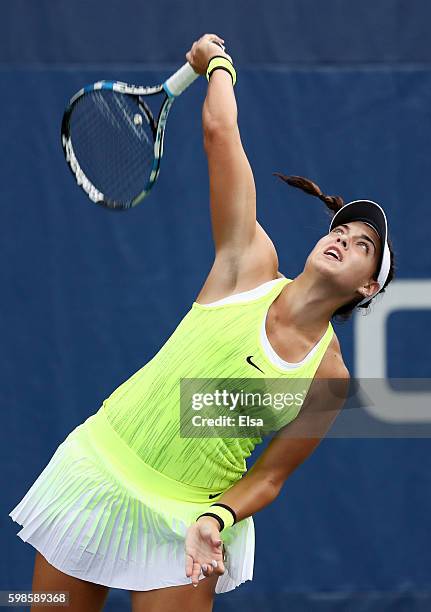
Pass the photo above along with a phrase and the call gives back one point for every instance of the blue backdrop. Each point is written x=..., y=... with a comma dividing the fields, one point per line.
x=338, y=93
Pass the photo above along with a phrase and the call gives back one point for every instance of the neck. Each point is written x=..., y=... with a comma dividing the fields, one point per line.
x=306, y=305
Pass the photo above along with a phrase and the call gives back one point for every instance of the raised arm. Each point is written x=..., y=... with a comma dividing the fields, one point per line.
x=232, y=189
x=242, y=249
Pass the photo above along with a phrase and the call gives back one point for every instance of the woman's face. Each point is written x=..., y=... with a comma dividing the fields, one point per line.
x=359, y=249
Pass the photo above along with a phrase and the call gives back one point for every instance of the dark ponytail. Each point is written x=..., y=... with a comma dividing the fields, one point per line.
x=334, y=203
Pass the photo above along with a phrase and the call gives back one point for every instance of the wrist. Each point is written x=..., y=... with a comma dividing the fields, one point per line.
x=218, y=53
x=209, y=520
x=224, y=514
x=221, y=62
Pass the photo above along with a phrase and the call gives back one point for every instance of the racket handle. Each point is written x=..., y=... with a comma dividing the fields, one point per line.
x=180, y=80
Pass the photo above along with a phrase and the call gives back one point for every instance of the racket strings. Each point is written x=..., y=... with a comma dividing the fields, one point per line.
x=113, y=142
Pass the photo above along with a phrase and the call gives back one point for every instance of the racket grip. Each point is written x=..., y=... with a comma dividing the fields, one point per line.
x=180, y=80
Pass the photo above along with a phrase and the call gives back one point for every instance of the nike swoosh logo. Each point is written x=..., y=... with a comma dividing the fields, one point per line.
x=215, y=495
x=248, y=360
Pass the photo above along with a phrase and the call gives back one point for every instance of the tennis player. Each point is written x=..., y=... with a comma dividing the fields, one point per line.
x=126, y=501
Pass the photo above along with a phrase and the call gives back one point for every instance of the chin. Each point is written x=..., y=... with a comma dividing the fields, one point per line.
x=326, y=269
x=337, y=278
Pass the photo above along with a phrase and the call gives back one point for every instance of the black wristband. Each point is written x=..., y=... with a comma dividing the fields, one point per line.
x=220, y=520
x=227, y=508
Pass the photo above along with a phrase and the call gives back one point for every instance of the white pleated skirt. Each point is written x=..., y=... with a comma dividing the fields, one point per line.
x=97, y=512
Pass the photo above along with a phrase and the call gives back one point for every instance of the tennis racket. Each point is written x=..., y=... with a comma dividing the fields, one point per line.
x=112, y=141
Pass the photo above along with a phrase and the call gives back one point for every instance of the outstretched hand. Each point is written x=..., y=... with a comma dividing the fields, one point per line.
x=203, y=548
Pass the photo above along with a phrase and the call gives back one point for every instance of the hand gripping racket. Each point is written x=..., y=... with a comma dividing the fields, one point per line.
x=112, y=142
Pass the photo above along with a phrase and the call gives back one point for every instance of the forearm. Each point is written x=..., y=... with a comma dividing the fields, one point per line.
x=219, y=110
x=262, y=484
x=247, y=496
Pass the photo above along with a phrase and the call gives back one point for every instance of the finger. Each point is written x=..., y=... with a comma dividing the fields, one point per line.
x=209, y=570
x=196, y=573
x=218, y=566
x=219, y=44
x=214, y=37
x=215, y=40
x=189, y=565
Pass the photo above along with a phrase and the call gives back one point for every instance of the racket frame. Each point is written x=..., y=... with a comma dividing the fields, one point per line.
x=172, y=88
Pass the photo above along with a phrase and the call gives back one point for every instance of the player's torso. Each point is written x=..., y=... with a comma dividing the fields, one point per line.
x=222, y=341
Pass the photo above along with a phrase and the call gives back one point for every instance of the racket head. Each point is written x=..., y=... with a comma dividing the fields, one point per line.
x=112, y=142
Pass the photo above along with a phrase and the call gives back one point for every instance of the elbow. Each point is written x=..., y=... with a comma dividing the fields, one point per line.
x=274, y=487
x=268, y=486
x=219, y=130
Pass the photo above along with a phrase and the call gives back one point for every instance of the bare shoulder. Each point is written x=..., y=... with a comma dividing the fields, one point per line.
x=332, y=364
x=294, y=442
x=327, y=394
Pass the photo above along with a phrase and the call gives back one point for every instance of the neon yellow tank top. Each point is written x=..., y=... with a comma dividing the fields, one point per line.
x=209, y=342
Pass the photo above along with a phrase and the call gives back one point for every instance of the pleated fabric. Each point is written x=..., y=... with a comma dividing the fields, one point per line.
x=97, y=512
